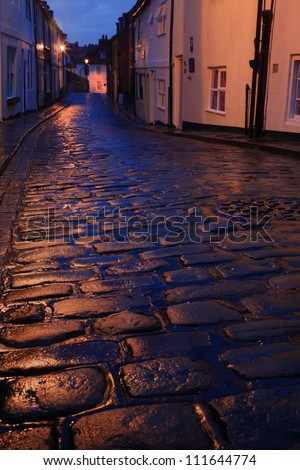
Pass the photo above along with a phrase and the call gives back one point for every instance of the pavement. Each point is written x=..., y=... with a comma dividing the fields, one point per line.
x=269, y=143
x=150, y=290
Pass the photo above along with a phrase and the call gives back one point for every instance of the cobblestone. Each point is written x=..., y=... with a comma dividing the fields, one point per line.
x=117, y=285
x=175, y=251
x=28, y=438
x=287, y=282
x=27, y=280
x=39, y=293
x=214, y=290
x=187, y=275
x=155, y=345
x=275, y=360
x=41, y=333
x=42, y=254
x=23, y=314
x=259, y=329
x=114, y=247
x=261, y=419
x=248, y=268
x=57, y=356
x=125, y=323
x=201, y=313
x=137, y=267
x=165, y=377
x=50, y=395
x=208, y=258
x=261, y=305
x=161, y=427
x=90, y=307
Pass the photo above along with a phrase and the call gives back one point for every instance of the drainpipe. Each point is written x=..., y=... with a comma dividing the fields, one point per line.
x=254, y=64
x=35, y=6
x=171, y=65
x=267, y=16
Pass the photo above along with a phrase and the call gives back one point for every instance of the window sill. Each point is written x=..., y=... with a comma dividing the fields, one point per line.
x=161, y=34
x=293, y=121
x=13, y=100
x=215, y=111
x=161, y=108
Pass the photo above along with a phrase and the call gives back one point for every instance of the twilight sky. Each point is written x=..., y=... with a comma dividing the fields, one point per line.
x=86, y=20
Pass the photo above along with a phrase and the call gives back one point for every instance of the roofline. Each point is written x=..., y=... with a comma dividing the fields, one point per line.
x=140, y=8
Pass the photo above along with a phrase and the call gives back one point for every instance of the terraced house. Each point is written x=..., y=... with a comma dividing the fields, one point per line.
x=218, y=65
x=32, y=67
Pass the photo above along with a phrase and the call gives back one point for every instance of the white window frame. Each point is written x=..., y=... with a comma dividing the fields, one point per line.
x=295, y=89
x=217, y=90
x=161, y=94
x=99, y=86
x=11, y=72
x=161, y=17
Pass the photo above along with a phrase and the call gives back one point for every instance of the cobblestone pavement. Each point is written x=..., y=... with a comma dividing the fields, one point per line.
x=115, y=338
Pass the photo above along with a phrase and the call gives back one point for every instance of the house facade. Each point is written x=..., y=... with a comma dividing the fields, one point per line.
x=121, y=78
x=93, y=65
x=32, y=68
x=50, y=56
x=211, y=69
x=224, y=65
x=283, y=99
x=18, y=65
x=152, y=32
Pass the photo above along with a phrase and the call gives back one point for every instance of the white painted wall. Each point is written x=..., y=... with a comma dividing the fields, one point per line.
x=17, y=31
x=152, y=60
x=98, y=79
x=223, y=34
x=285, y=48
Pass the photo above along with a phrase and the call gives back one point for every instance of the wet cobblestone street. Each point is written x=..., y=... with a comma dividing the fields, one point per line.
x=141, y=307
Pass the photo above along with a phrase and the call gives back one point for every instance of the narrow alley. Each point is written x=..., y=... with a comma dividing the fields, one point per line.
x=150, y=290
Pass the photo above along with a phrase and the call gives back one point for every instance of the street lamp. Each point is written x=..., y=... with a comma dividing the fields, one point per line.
x=86, y=71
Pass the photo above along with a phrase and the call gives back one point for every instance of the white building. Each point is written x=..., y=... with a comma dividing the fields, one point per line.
x=283, y=101
x=213, y=44
x=97, y=76
x=152, y=60
x=18, y=65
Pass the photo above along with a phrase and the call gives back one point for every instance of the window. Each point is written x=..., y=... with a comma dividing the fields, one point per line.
x=30, y=71
x=150, y=22
x=161, y=94
x=98, y=70
x=295, y=93
x=140, y=33
x=99, y=86
x=218, y=90
x=28, y=9
x=11, y=72
x=140, y=86
x=161, y=17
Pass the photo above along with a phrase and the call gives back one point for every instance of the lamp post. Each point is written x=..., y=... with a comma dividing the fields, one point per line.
x=87, y=72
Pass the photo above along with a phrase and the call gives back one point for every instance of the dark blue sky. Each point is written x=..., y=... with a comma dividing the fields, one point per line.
x=86, y=20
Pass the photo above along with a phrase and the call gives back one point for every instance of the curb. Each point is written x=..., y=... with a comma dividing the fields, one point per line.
x=9, y=157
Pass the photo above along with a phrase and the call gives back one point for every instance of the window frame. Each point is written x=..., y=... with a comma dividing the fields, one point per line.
x=11, y=84
x=161, y=17
x=161, y=94
x=295, y=89
x=217, y=90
